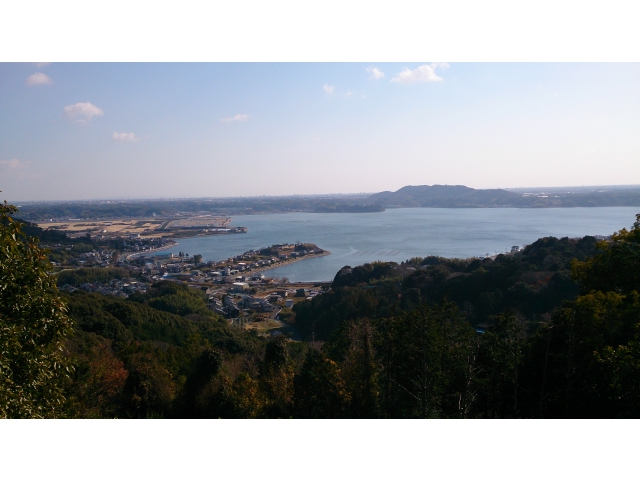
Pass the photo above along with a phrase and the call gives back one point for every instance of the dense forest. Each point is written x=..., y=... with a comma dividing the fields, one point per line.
x=532, y=282
x=548, y=332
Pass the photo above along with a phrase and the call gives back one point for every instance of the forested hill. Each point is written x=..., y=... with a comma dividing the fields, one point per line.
x=459, y=196
x=533, y=282
x=446, y=196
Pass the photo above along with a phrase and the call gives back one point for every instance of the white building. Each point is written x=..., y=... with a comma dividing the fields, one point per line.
x=240, y=286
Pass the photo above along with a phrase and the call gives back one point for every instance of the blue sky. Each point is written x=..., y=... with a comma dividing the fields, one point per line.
x=143, y=130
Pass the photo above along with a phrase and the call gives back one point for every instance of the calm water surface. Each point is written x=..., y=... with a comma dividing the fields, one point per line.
x=399, y=234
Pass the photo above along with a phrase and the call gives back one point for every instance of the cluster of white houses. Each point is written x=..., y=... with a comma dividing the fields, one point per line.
x=231, y=285
x=235, y=270
x=117, y=288
x=236, y=303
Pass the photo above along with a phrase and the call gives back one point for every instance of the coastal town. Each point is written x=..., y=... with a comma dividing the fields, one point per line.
x=236, y=288
x=125, y=257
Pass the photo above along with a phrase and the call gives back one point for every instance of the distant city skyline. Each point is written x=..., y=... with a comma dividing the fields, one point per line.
x=81, y=131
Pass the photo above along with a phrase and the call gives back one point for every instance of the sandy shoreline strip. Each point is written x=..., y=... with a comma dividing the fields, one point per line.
x=253, y=270
x=153, y=250
x=289, y=262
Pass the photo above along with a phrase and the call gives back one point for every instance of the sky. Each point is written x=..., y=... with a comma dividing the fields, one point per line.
x=71, y=131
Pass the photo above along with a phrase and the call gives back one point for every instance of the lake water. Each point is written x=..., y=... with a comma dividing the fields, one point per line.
x=399, y=234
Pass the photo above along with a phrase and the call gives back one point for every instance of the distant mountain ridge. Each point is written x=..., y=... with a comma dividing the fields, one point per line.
x=460, y=196
x=434, y=196
x=445, y=196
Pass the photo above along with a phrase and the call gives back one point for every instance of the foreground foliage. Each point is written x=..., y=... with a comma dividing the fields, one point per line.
x=33, y=327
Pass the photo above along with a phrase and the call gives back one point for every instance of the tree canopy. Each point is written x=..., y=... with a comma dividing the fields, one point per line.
x=33, y=327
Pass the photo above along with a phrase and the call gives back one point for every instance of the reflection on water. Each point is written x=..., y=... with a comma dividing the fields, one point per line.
x=400, y=234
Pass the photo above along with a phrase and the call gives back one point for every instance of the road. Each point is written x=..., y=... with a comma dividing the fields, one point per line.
x=286, y=327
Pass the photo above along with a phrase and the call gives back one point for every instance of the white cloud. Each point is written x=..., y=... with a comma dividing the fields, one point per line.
x=375, y=74
x=424, y=73
x=328, y=88
x=38, y=79
x=125, y=137
x=13, y=168
x=86, y=110
x=240, y=117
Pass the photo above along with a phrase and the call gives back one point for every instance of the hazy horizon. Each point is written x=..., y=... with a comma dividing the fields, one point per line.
x=104, y=131
x=572, y=188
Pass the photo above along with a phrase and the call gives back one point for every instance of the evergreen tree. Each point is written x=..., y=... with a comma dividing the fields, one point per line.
x=33, y=327
x=584, y=362
x=500, y=360
x=276, y=379
x=429, y=364
x=319, y=392
x=360, y=371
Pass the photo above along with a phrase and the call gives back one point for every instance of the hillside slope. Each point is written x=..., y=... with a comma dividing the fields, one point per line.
x=459, y=196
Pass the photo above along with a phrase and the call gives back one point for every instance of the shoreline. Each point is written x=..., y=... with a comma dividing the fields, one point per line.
x=252, y=270
x=153, y=250
x=288, y=262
